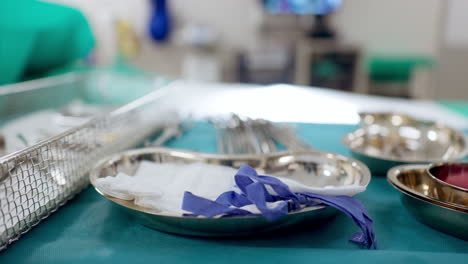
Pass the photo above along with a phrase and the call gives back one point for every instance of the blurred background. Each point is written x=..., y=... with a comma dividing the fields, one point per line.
x=412, y=49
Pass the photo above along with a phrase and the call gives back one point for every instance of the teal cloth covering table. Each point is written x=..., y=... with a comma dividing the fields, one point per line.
x=90, y=229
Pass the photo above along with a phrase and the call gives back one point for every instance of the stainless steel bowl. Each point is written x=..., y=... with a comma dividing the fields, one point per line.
x=432, y=203
x=385, y=140
x=305, y=166
x=445, y=173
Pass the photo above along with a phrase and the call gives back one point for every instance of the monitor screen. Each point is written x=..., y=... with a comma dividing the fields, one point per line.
x=301, y=7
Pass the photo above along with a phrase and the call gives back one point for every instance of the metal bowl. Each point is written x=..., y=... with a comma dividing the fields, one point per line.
x=431, y=202
x=306, y=166
x=452, y=174
x=385, y=140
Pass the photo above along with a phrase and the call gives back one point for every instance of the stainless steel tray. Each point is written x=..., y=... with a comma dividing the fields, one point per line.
x=328, y=169
x=36, y=181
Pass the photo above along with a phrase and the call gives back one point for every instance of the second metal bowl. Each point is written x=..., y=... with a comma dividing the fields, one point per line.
x=385, y=140
x=310, y=167
x=432, y=203
x=452, y=174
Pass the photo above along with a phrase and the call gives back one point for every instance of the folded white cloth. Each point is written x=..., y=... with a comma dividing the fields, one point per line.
x=161, y=186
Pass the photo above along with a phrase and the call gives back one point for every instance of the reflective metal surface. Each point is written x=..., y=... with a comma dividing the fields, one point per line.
x=237, y=135
x=453, y=174
x=309, y=167
x=385, y=140
x=431, y=202
x=37, y=180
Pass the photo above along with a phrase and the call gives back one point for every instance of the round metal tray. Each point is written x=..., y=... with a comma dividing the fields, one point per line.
x=331, y=169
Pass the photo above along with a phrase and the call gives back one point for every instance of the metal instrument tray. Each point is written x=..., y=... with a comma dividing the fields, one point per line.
x=36, y=181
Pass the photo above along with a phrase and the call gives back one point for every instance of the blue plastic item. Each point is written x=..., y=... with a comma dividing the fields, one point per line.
x=160, y=23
